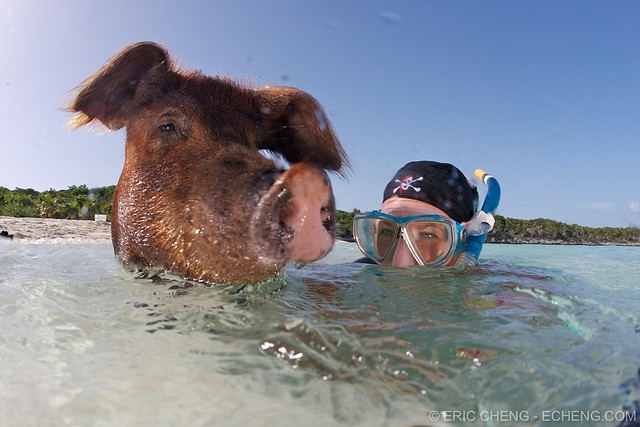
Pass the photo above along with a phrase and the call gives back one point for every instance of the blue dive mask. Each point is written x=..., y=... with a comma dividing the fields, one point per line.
x=431, y=239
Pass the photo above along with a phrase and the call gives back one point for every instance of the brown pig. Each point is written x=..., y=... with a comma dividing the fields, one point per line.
x=196, y=197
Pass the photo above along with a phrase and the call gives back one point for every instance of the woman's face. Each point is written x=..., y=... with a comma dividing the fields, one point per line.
x=401, y=207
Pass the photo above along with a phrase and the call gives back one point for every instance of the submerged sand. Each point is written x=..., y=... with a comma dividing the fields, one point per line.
x=46, y=228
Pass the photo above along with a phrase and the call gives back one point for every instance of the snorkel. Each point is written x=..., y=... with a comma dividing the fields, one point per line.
x=482, y=221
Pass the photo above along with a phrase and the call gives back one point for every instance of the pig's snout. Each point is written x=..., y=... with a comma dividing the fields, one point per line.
x=296, y=218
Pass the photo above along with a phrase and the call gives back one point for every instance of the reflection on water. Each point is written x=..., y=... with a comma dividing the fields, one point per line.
x=331, y=343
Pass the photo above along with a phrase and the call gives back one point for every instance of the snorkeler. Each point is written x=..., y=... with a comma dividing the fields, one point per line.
x=428, y=218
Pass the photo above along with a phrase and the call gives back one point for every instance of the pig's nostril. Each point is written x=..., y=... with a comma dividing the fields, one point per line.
x=328, y=220
x=267, y=178
x=325, y=213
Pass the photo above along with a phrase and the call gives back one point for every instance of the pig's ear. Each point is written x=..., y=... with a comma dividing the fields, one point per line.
x=108, y=95
x=298, y=128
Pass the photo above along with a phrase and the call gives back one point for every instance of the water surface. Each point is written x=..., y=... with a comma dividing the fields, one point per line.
x=533, y=329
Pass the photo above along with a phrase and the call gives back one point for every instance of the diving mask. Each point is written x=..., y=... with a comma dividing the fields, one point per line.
x=431, y=239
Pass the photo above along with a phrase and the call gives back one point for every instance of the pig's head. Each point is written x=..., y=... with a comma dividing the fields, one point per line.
x=196, y=197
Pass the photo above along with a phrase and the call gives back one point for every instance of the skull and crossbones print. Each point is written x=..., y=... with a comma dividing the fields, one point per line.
x=405, y=184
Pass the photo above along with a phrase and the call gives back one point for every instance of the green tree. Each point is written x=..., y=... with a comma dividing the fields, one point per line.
x=344, y=224
x=19, y=203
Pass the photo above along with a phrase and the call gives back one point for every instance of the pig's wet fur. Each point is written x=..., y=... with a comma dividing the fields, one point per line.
x=196, y=197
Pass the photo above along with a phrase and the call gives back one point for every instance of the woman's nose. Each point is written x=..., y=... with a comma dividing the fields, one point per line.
x=403, y=256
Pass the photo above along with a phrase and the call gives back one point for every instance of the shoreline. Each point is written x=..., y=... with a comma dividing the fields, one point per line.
x=537, y=242
x=50, y=228
x=560, y=243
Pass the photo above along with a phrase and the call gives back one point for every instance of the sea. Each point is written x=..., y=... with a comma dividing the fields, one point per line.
x=535, y=335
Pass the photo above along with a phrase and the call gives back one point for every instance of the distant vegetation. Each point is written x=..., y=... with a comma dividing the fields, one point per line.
x=344, y=224
x=510, y=230
x=74, y=203
x=83, y=203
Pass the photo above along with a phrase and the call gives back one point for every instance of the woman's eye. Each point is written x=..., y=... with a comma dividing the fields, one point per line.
x=387, y=232
x=168, y=127
x=427, y=235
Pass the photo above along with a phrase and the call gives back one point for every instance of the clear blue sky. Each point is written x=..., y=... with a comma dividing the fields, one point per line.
x=545, y=95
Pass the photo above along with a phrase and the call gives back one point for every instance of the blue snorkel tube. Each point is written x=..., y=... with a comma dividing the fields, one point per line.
x=482, y=221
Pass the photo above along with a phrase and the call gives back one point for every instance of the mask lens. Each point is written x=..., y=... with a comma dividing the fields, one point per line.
x=376, y=236
x=432, y=240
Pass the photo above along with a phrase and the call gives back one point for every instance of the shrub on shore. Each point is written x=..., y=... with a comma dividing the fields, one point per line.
x=73, y=203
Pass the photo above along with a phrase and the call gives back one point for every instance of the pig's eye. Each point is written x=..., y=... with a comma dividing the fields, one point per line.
x=168, y=127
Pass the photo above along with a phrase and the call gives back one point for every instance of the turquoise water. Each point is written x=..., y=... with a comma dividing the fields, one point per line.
x=536, y=335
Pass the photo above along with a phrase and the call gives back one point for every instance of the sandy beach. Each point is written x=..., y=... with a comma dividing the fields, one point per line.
x=45, y=228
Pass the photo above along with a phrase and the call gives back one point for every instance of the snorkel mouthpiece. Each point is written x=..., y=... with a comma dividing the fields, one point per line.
x=481, y=223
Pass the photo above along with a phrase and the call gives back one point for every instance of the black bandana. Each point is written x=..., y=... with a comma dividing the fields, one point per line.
x=439, y=184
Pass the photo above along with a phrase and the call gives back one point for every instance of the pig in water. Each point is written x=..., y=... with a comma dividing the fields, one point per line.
x=196, y=197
